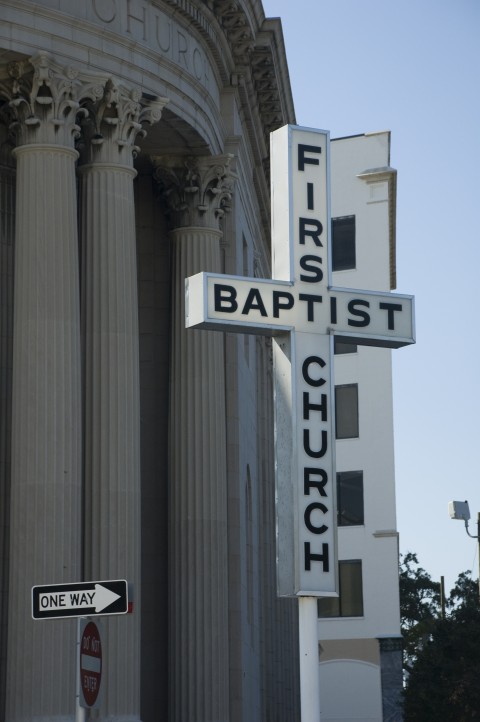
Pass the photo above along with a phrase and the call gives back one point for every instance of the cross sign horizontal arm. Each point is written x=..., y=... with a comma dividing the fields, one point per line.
x=263, y=306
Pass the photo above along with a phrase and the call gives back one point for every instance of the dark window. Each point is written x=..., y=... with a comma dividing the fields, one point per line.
x=350, y=600
x=346, y=411
x=343, y=243
x=340, y=347
x=350, y=498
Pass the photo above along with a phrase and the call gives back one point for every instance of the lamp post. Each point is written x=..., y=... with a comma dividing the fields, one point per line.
x=460, y=510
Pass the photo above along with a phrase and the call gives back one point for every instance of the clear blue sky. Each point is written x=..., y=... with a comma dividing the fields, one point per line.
x=413, y=67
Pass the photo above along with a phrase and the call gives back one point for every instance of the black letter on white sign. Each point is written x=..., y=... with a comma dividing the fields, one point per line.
x=310, y=227
x=254, y=301
x=306, y=263
x=225, y=303
x=391, y=308
x=302, y=159
x=306, y=370
x=318, y=485
x=277, y=302
x=308, y=521
x=308, y=450
x=308, y=406
x=352, y=308
x=309, y=557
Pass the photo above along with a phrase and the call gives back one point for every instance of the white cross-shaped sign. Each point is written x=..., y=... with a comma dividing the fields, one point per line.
x=302, y=311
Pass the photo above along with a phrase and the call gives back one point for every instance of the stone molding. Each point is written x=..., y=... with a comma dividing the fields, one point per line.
x=389, y=175
x=197, y=190
x=249, y=55
x=258, y=60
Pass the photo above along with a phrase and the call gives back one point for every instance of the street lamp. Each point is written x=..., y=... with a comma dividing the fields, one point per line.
x=460, y=510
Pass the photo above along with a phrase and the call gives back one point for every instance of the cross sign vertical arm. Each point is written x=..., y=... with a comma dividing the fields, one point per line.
x=304, y=423
x=302, y=311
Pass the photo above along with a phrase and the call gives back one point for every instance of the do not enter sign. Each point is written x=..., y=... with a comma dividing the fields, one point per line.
x=90, y=665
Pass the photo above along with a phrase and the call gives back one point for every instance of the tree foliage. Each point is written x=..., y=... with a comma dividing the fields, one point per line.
x=419, y=606
x=442, y=659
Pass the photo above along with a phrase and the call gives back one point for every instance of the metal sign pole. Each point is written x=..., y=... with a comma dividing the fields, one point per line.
x=308, y=648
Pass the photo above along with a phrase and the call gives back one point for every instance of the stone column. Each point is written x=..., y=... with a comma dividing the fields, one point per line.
x=391, y=671
x=112, y=421
x=45, y=519
x=7, y=232
x=197, y=195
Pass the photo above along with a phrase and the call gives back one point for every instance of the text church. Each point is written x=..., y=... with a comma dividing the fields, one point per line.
x=135, y=154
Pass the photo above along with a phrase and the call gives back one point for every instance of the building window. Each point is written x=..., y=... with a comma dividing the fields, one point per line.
x=350, y=498
x=349, y=603
x=343, y=243
x=346, y=411
x=341, y=347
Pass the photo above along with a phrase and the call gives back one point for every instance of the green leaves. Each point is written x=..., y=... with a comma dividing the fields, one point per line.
x=442, y=655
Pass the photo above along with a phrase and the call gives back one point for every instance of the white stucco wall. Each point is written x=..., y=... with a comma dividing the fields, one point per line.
x=373, y=451
x=361, y=703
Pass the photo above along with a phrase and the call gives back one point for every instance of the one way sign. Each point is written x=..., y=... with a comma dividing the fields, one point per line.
x=85, y=599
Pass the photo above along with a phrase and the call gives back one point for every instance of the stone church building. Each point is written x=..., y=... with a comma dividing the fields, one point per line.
x=134, y=151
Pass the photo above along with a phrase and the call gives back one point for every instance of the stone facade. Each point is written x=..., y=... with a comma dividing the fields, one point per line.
x=391, y=656
x=134, y=152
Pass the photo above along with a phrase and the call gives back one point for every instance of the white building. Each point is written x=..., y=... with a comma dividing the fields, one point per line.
x=360, y=653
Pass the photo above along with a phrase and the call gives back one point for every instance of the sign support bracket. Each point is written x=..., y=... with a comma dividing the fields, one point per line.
x=80, y=712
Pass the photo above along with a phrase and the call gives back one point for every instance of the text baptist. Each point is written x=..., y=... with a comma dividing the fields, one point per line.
x=270, y=304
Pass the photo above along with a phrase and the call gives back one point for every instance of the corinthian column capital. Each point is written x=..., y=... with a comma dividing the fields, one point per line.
x=115, y=116
x=198, y=190
x=43, y=101
x=48, y=103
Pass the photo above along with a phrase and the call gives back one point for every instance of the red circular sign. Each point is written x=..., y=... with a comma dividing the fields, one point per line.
x=90, y=663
